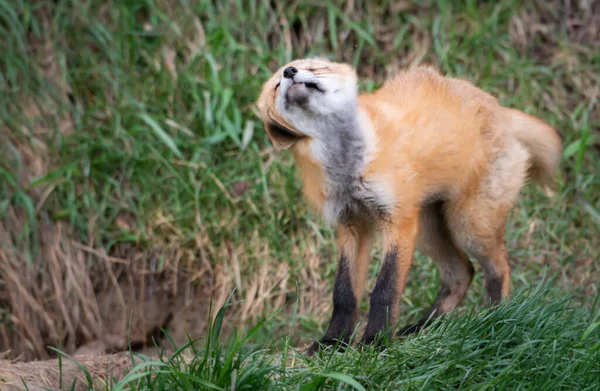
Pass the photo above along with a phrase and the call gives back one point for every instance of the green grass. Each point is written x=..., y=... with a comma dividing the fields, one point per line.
x=529, y=343
x=132, y=124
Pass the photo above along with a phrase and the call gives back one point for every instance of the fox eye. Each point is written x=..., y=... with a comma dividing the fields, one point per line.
x=277, y=86
x=319, y=71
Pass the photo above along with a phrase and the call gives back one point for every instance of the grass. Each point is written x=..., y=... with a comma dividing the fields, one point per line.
x=529, y=343
x=131, y=156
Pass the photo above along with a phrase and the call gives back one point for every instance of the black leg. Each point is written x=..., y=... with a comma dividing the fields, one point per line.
x=429, y=316
x=383, y=298
x=343, y=319
x=495, y=277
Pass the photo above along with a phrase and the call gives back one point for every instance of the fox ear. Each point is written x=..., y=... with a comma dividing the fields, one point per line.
x=281, y=137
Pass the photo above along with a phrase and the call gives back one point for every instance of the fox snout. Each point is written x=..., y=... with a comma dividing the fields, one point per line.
x=297, y=86
x=297, y=94
x=289, y=72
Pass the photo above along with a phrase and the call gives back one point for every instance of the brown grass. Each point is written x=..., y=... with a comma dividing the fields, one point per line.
x=58, y=300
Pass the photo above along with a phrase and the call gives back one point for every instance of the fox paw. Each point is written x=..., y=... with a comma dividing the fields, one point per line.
x=324, y=343
x=378, y=341
x=409, y=330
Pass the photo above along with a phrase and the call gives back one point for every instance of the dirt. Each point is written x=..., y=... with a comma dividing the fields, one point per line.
x=62, y=302
x=40, y=375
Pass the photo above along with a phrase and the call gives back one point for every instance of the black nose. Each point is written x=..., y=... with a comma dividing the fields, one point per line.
x=289, y=72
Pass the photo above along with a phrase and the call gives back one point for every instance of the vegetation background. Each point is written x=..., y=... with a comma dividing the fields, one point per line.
x=137, y=185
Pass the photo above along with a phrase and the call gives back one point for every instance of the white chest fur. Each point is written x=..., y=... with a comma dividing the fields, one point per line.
x=362, y=201
x=344, y=149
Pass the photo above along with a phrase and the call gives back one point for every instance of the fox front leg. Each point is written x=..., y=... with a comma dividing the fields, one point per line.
x=354, y=244
x=399, y=243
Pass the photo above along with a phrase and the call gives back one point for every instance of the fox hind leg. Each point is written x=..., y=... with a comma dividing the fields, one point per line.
x=477, y=220
x=456, y=271
x=482, y=236
x=496, y=270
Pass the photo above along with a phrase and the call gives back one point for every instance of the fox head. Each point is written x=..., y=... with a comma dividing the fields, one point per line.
x=300, y=97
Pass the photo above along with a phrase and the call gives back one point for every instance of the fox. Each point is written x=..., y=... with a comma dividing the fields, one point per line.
x=428, y=161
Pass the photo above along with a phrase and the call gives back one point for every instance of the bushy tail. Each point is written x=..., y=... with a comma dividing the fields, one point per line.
x=544, y=144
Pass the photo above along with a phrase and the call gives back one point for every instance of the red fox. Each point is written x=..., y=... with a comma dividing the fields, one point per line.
x=427, y=160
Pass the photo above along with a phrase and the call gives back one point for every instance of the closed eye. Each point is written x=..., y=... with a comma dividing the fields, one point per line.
x=322, y=70
x=277, y=86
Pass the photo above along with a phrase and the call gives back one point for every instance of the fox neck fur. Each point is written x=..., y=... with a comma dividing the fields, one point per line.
x=341, y=149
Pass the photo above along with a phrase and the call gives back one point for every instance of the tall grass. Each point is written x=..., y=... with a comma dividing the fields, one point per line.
x=529, y=343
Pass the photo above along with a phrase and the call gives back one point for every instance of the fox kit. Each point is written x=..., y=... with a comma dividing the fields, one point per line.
x=427, y=160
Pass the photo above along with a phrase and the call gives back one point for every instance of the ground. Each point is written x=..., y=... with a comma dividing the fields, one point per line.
x=138, y=188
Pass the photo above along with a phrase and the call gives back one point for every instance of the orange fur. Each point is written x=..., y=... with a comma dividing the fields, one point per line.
x=312, y=173
x=401, y=236
x=356, y=242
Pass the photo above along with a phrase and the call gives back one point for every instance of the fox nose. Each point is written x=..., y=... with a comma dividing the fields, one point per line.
x=289, y=72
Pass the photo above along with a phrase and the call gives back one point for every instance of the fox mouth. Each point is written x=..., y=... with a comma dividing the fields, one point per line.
x=298, y=93
x=310, y=86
